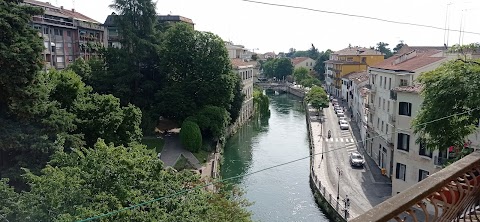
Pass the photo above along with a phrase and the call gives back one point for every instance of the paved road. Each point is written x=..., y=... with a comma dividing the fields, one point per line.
x=360, y=184
x=172, y=150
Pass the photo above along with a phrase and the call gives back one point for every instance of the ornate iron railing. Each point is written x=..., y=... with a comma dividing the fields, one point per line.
x=452, y=194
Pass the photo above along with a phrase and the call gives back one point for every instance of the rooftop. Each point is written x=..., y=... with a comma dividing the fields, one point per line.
x=357, y=51
x=110, y=20
x=343, y=62
x=60, y=11
x=236, y=63
x=411, y=58
x=298, y=60
x=357, y=77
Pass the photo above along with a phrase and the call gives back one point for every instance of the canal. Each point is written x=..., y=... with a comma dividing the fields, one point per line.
x=282, y=193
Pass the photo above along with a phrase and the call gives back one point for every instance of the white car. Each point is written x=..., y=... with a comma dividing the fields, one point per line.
x=337, y=108
x=343, y=125
x=342, y=118
x=340, y=113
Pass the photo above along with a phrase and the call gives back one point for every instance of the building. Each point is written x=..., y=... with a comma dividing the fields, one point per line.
x=399, y=70
x=354, y=89
x=270, y=55
x=304, y=62
x=246, y=72
x=67, y=34
x=113, y=36
x=238, y=51
x=345, y=61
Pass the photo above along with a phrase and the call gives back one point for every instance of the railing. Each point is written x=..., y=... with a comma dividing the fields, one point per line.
x=393, y=95
x=332, y=201
x=451, y=194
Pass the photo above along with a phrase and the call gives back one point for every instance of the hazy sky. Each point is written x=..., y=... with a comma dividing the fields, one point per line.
x=271, y=28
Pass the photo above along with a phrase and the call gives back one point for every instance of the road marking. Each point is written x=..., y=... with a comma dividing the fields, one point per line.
x=341, y=139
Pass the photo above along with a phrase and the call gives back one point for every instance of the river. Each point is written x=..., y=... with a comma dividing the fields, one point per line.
x=282, y=193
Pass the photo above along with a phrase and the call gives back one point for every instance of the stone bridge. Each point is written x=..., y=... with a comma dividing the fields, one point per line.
x=280, y=86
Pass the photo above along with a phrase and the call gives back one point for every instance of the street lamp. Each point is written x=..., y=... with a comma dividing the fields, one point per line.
x=338, y=184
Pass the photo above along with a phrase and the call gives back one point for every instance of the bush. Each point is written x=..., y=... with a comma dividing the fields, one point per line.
x=190, y=136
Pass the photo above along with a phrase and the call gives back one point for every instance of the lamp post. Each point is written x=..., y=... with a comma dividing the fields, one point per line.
x=347, y=205
x=338, y=184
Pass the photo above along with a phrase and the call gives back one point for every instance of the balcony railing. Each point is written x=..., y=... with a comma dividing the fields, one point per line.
x=451, y=194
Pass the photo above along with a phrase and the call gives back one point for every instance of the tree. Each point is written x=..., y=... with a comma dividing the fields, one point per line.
x=398, y=47
x=190, y=136
x=290, y=53
x=311, y=81
x=313, y=53
x=212, y=120
x=283, y=67
x=301, y=74
x=320, y=65
x=89, y=182
x=450, y=90
x=20, y=57
x=261, y=102
x=254, y=57
x=300, y=54
x=238, y=98
x=382, y=47
x=317, y=97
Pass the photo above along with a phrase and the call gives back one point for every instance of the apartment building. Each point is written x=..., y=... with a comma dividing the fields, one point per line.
x=245, y=70
x=304, y=62
x=67, y=34
x=399, y=70
x=346, y=61
x=354, y=88
x=113, y=35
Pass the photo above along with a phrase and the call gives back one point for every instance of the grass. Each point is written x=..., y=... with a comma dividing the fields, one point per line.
x=182, y=164
x=154, y=143
x=202, y=156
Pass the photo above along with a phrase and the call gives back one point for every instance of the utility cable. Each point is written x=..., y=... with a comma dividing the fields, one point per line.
x=358, y=16
x=255, y=172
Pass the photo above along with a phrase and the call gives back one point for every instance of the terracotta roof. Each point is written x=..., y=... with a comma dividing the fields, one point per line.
x=297, y=60
x=78, y=15
x=413, y=58
x=343, y=62
x=357, y=51
x=417, y=88
x=357, y=77
x=60, y=11
x=39, y=3
x=240, y=62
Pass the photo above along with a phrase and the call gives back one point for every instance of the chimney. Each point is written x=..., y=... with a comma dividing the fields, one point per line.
x=73, y=10
x=61, y=7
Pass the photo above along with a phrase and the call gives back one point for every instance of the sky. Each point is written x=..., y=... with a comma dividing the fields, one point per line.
x=270, y=28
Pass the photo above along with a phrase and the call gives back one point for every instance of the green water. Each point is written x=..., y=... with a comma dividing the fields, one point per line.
x=282, y=193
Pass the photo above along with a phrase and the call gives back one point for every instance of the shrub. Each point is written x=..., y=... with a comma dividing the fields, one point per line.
x=190, y=136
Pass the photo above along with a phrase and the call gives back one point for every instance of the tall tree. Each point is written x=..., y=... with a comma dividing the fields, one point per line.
x=317, y=97
x=450, y=90
x=320, y=65
x=300, y=74
x=398, y=46
x=313, y=53
x=382, y=47
x=283, y=67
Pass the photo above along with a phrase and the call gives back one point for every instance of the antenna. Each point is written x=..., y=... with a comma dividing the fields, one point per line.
x=461, y=25
x=447, y=21
x=73, y=4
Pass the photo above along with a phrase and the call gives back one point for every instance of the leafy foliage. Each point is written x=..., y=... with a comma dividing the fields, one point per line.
x=190, y=136
x=261, y=102
x=313, y=53
x=317, y=97
x=237, y=102
x=450, y=90
x=89, y=182
x=382, y=47
x=398, y=47
x=212, y=120
x=300, y=74
x=279, y=68
x=320, y=65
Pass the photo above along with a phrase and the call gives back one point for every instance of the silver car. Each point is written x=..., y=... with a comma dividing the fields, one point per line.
x=342, y=118
x=340, y=113
x=356, y=159
x=343, y=125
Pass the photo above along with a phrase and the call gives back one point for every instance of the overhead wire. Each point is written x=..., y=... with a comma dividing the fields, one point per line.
x=257, y=171
x=358, y=16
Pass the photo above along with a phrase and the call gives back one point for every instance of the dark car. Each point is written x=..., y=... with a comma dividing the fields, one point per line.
x=356, y=159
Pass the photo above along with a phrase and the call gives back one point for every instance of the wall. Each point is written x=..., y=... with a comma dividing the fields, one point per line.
x=308, y=64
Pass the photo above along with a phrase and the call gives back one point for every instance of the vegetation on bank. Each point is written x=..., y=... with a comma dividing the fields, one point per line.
x=303, y=77
x=70, y=140
x=317, y=97
x=261, y=102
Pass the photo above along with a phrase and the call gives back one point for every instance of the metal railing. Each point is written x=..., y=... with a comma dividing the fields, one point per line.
x=451, y=194
x=337, y=205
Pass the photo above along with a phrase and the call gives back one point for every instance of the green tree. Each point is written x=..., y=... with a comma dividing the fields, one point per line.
x=283, y=67
x=261, y=102
x=382, y=47
x=320, y=65
x=301, y=74
x=90, y=182
x=300, y=54
x=317, y=97
x=269, y=68
x=238, y=98
x=213, y=121
x=398, y=47
x=450, y=90
x=311, y=81
x=313, y=53
x=190, y=136
x=20, y=57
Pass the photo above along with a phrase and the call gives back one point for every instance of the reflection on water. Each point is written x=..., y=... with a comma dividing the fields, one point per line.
x=282, y=193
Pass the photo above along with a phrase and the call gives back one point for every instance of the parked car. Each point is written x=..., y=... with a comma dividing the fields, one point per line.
x=334, y=101
x=336, y=108
x=343, y=125
x=342, y=118
x=356, y=159
x=340, y=113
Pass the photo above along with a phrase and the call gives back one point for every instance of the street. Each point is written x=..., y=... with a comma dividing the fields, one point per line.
x=365, y=188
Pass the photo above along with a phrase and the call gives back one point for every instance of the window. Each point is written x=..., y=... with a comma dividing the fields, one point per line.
x=423, y=151
x=405, y=109
x=383, y=104
x=403, y=82
x=69, y=45
x=386, y=129
x=385, y=83
x=349, y=59
x=45, y=30
x=59, y=45
x=382, y=125
x=364, y=59
x=400, y=172
x=60, y=59
x=45, y=44
x=389, y=83
x=378, y=122
x=58, y=31
x=422, y=174
x=388, y=106
x=70, y=59
x=381, y=77
x=403, y=142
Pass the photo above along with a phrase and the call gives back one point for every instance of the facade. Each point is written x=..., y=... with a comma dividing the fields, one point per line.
x=354, y=89
x=113, y=35
x=246, y=72
x=345, y=61
x=399, y=70
x=270, y=55
x=67, y=35
x=238, y=51
x=412, y=162
x=304, y=62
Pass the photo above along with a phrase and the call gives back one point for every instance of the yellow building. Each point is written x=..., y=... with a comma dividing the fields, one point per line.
x=346, y=61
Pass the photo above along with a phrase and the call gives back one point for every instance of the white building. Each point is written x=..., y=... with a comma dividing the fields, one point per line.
x=396, y=71
x=238, y=51
x=304, y=62
x=246, y=71
x=412, y=162
x=354, y=91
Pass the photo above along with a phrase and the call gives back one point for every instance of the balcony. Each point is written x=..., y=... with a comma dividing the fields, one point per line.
x=393, y=95
x=451, y=194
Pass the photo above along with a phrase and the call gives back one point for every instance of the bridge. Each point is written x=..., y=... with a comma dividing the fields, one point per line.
x=281, y=86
